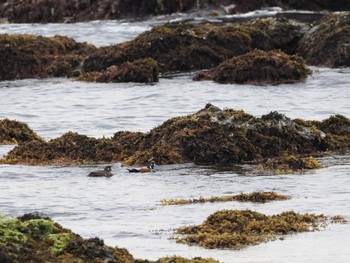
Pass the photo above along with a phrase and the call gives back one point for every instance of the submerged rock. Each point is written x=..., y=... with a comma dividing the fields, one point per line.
x=14, y=132
x=184, y=47
x=239, y=228
x=328, y=43
x=259, y=67
x=28, y=56
x=209, y=136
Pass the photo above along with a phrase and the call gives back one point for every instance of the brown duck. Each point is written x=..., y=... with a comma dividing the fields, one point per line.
x=106, y=172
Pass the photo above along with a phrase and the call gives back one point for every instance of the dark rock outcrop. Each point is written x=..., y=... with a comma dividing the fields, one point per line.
x=210, y=136
x=328, y=43
x=44, y=11
x=14, y=132
x=259, y=67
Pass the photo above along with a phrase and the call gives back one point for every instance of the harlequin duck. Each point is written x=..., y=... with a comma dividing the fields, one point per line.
x=106, y=172
x=147, y=169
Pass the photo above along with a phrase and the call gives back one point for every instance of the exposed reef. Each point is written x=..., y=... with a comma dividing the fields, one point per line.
x=209, y=136
x=259, y=67
x=255, y=197
x=14, y=132
x=45, y=11
x=28, y=56
x=33, y=238
x=239, y=228
x=328, y=43
x=184, y=47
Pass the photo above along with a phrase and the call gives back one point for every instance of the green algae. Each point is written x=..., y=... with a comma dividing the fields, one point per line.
x=256, y=197
x=239, y=228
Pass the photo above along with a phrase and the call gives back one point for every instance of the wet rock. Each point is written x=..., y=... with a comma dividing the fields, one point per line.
x=328, y=43
x=27, y=56
x=184, y=47
x=240, y=228
x=142, y=70
x=259, y=67
x=14, y=132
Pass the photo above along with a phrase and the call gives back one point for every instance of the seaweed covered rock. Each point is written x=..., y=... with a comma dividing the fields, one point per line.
x=184, y=47
x=38, y=239
x=209, y=136
x=239, y=228
x=14, y=132
x=259, y=67
x=215, y=136
x=328, y=43
x=142, y=70
x=69, y=148
x=34, y=238
x=28, y=56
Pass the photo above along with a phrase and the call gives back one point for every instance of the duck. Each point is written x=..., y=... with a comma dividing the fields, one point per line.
x=146, y=169
x=106, y=172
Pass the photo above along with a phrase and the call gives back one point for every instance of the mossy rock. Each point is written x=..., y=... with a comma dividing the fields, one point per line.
x=37, y=239
x=185, y=47
x=28, y=56
x=142, y=70
x=328, y=43
x=33, y=238
x=240, y=228
x=259, y=67
x=14, y=132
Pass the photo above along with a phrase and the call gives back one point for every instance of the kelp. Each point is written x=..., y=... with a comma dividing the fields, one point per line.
x=239, y=228
x=255, y=197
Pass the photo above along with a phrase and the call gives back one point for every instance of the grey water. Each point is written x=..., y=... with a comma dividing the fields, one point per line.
x=125, y=209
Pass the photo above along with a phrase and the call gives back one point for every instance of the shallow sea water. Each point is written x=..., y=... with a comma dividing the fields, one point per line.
x=125, y=209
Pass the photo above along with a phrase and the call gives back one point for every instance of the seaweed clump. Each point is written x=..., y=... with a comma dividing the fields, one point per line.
x=255, y=197
x=259, y=67
x=328, y=43
x=70, y=148
x=14, y=132
x=239, y=228
x=142, y=70
x=28, y=56
x=290, y=164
